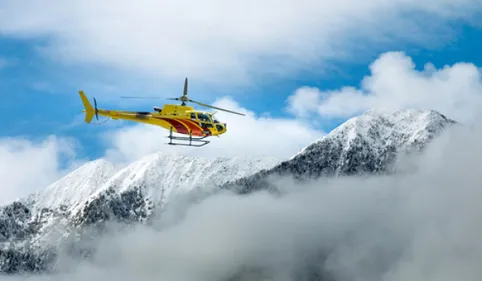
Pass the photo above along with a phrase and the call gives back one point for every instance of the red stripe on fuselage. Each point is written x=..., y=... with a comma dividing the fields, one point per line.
x=200, y=128
x=193, y=126
x=180, y=127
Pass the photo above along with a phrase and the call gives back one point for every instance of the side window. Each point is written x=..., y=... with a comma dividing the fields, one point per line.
x=193, y=116
x=203, y=118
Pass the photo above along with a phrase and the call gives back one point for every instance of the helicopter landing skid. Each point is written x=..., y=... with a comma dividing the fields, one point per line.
x=190, y=139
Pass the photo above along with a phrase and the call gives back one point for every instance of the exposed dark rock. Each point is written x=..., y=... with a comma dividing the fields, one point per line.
x=369, y=144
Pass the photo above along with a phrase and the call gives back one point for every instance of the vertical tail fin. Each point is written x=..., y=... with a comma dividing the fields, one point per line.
x=89, y=110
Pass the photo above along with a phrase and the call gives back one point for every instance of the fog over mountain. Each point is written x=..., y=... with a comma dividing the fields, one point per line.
x=423, y=224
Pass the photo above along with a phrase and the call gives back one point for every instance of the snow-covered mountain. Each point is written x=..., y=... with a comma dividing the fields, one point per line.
x=75, y=187
x=98, y=192
x=369, y=143
x=151, y=181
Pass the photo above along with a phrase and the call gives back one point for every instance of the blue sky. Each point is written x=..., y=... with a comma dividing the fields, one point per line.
x=39, y=96
x=48, y=54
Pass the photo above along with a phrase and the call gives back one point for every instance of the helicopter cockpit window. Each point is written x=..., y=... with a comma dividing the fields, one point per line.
x=203, y=117
x=193, y=116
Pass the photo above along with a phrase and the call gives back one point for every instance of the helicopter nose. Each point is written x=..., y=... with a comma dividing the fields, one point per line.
x=221, y=127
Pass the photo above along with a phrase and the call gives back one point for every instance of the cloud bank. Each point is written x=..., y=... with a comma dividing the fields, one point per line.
x=394, y=83
x=234, y=40
x=27, y=166
x=419, y=226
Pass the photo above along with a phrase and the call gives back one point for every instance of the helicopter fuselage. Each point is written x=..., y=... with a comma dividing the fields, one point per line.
x=180, y=119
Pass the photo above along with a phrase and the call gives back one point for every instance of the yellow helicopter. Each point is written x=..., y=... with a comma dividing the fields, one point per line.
x=180, y=119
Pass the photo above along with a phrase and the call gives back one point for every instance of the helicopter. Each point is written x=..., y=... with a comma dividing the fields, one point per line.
x=195, y=125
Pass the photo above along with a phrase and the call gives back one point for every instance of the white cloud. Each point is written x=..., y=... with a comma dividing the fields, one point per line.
x=221, y=41
x=304, y=101
x=249, y=135
x=419, y=226
x=27, y=166
x=394, y=83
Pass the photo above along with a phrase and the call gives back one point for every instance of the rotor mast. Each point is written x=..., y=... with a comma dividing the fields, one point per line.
x=183, y=98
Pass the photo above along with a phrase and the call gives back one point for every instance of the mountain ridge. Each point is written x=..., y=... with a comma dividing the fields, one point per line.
x=74, y=187
x=368, y=143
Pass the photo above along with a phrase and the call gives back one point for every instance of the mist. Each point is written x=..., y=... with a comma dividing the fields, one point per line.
x=424, y=223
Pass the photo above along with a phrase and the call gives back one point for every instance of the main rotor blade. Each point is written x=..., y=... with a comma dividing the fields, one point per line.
x=184, y=93
x=218, y=108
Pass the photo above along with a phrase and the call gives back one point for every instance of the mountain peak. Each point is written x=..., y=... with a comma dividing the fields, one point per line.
x=401, y=128
x=416, y=117
x=74, y=187
x=368, y=143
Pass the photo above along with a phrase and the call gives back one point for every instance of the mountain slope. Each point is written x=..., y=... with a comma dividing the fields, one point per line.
x=75, y=187
x=97, y=191
x=133, y=192
x=369, y=143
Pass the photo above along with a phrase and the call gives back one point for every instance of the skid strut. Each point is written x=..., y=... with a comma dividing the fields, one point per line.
x=190, y=139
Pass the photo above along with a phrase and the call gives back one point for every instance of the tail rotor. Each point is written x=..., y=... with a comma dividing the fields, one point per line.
x=88, y=109
x=96, y=110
